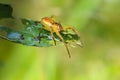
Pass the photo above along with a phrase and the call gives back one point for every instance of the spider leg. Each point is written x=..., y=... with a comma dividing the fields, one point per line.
x=73, y=29
x=76, y=32
x=52, y=35
x=53, y=17
x=39, y=34
x=59, y=35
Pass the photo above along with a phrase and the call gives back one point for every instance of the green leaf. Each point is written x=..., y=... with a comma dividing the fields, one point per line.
x=6, y=29
x=32, y=23
x=5, y=11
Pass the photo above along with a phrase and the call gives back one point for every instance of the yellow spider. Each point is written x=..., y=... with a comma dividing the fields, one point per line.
x=51, y=25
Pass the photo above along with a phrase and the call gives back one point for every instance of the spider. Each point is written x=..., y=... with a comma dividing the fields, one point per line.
x=51, y=25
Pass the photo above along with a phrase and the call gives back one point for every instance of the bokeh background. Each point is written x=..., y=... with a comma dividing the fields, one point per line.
x=98, y=22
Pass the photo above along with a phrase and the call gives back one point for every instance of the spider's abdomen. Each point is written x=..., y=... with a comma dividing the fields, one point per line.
x=47, y=21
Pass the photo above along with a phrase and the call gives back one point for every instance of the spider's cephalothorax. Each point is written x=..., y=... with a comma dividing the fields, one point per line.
x=51, y=25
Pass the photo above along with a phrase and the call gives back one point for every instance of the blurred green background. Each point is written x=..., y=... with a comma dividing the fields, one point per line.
x=98, y=22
